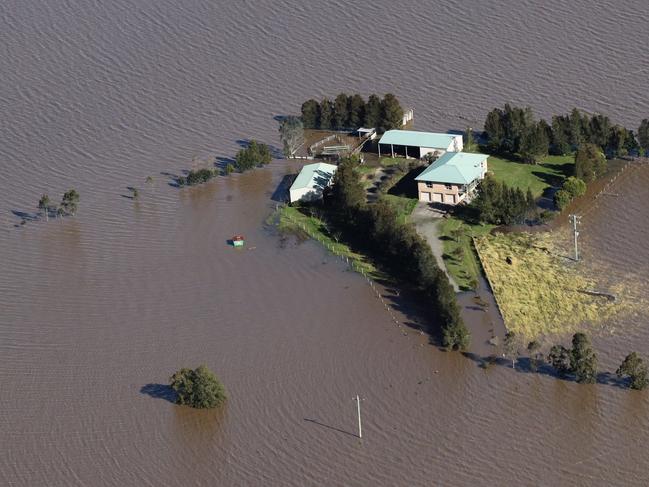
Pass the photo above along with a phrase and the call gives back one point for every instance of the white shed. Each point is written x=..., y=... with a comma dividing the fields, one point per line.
x=311, y=181
x=417, y=144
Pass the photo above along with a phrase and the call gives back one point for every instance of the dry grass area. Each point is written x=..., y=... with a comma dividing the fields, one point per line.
x=539, y=290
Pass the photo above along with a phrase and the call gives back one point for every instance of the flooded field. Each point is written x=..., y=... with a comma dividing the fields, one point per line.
x=97, y=311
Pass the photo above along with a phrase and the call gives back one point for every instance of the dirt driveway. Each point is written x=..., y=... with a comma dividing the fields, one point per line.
x=425, y=220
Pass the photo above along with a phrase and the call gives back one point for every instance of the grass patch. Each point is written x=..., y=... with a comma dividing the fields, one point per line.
x=539, y=291
x=403, y=205
x=459, y=255
x=291, y=221
x=393, y=161
x=538, y=177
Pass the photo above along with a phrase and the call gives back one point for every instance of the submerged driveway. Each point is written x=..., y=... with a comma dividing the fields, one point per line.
x=426, y=220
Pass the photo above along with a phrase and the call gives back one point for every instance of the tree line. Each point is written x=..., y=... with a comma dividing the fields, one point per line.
x=579, y=361
x=256, y=154
x=397, y=246
x=352, y=112
x=514, y=131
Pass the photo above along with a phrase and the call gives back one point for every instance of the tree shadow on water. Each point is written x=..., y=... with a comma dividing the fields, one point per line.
x=159, y=391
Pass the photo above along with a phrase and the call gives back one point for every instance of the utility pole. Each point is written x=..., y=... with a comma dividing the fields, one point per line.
x=576, y=220
x=358, y=408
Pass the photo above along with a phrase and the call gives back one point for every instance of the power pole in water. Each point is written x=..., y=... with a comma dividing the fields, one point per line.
x=576, y=220
x=358, y=408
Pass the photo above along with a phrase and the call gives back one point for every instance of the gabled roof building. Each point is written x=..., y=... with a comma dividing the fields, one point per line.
x=452, y=178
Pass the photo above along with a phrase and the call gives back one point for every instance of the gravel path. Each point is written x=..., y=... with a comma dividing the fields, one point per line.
x=426, y=219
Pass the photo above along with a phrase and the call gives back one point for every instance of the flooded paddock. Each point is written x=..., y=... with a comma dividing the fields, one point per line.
x=98, y=310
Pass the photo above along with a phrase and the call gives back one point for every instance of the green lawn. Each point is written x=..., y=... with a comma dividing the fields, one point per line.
x=551, y=172
x=402, y=205
x=462, y=265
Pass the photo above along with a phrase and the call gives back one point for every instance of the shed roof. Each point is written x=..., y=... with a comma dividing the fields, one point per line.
x=314, y=176
x=454, y=167
x=417, y=139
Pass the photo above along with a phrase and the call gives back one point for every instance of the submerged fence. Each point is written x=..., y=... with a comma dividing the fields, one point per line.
x=353, y=266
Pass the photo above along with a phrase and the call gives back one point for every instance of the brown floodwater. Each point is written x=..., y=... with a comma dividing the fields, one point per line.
x=97, y=311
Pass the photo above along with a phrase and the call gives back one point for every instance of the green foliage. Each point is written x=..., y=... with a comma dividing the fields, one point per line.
x=341, y=111
x=291, y=134
x=618, y=140
x=574, y=186
x=254, y=155
x=590, y=162
x=351, y=111
x=497, y=203
x=311, y=114
x=372, y=112
x=356, y=111
x=196, y=176
x=198, y=388
x=583, y=360
x=562, y=198
x=70, y=201
x=229, y=169
x=347, y=194
x=512, y=130
x=534, y=143
x=392, y=113
x=643, y=134
x=634, y=367
x=326, y=114
x=559, y=358
x=560, y=142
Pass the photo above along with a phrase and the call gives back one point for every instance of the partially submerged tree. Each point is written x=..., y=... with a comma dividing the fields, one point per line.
x=372, y=112
x=311, y=114
x=70, y=201
x=583, y=360
x=534, y=350
x=559, y=358
x=356, y=111
x=391, y=112
x=256, y=154
x=198, y=388
x=291, y=133
x=44, y=205
x=643, y=136
x=634, y=367
x=341, y=111
x=326, y=114
x=510, y=347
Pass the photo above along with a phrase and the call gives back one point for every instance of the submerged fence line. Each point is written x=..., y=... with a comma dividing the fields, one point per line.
x=351, y=264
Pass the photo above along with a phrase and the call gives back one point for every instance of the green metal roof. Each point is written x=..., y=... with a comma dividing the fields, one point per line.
x=454, y=167
x=314, y=176
x=417, y=139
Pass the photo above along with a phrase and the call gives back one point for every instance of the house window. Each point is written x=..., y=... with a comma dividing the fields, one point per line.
x=429, y=185
x=449, y=186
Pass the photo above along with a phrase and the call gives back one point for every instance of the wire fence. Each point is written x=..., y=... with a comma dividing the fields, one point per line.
x=352, y=265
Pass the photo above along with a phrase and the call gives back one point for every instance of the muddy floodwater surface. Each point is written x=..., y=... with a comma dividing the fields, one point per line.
x=98, y=310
